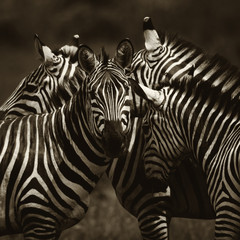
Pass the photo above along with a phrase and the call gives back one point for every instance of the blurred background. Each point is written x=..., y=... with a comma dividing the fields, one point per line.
x=212, y=25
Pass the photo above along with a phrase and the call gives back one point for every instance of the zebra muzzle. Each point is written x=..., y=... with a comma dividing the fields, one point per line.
x=113, y=139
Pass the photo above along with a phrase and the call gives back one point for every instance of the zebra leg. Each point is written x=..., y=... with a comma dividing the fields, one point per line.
x=227, y=224
x=153, y=227
x=36, y=235
x=41, y=232
x=225, y=229
x=153, y=221
x=224, y=190
x=39, y=224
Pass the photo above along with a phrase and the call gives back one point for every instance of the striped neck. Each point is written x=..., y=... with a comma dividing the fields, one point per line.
x=203, y=118
x=26, y=84
x=73, y=122
x=44, y=91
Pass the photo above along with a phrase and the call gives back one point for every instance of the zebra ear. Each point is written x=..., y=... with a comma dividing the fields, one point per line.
x=124, y=53
x=71, y=50
x=44, y=51
x=152, y=41
x=39, y=45
x=87, y=58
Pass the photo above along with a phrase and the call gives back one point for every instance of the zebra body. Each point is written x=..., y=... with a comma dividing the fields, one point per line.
x=165, y=58
x=124, y=173
x=43, y=162
x=50, y=162
x=153, y=213
x=189, y=120
x=188, y=189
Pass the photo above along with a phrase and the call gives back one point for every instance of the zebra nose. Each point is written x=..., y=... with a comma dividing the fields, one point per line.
x=112, y=139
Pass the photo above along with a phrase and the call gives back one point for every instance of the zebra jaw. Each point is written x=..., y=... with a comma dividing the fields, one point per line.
x=151, y=37
x=152, y=95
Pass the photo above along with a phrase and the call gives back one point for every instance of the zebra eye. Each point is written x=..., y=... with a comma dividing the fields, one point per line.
x=92, y=94
x=127, y=71
x=126, y=86
x=56, y=59
x=145, y=128
x=161, y=49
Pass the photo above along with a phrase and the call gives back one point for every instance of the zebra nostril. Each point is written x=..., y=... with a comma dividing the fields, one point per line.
x=145, y=129
x=113, y=140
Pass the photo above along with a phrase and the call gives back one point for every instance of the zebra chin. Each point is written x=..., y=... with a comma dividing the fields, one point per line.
x=114, y=148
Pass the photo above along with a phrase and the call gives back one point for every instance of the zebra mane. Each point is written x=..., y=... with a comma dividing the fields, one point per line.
x=104, y=56
x=229, y=74
x=176, y=40
x=195, y=85
x=224, y=82
x=224, y=68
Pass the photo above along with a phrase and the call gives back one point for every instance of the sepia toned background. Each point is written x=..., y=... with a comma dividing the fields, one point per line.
x=212, y=25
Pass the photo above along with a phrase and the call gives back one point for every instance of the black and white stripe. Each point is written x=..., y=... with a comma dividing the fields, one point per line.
x=108, y=95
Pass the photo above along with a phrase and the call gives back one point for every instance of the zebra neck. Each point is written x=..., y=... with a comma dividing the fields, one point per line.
x=130, y=163
x=22, y=88
x=72, y=133
x=203, y=122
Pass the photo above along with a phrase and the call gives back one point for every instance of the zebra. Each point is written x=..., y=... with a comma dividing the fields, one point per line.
x=50, y=162
x=134, y=196
x=50, y=85
x=192, y=116
x=188, y=195
x=109, y=97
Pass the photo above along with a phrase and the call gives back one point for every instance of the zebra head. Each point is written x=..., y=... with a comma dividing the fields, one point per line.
x=164, y=148
x=108, y=96
x=64, y=77
x=164, y=58
x=49, y=86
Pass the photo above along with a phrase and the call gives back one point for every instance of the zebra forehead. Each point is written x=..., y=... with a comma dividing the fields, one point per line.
x=110, y=76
